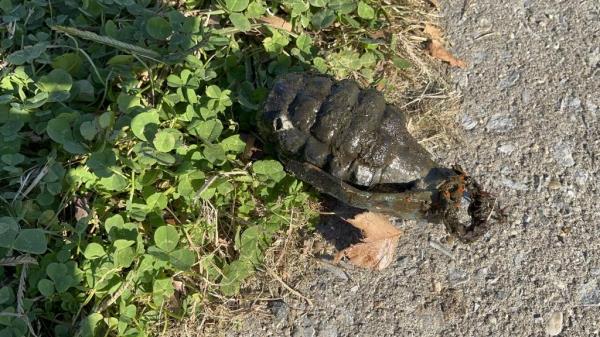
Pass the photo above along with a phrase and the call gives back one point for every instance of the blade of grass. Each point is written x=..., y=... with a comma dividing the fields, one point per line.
x=127, y=47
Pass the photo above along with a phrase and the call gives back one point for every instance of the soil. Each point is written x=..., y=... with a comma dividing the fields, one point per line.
x=529, y=123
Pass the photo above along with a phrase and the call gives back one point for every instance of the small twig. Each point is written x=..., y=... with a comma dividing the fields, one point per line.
x=42, y=173
x=485, y=35
x=114, y=297
x=290, y=289
x=286, y=240
x=206, y=185
x=492, y=210
x=119, y=291
x=441, y=248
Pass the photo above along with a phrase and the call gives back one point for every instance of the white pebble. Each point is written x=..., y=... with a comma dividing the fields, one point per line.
x=467, y=122
x=563, y=155
x=500, y=123
x=507, y=148
x=555, y=324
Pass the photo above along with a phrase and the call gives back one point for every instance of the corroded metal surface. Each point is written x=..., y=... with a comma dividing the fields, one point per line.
x=349, y=143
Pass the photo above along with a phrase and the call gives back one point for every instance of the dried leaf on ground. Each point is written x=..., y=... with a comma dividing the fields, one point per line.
x=437, y=50
x=378, y=246
x=277, y=22
x=434, y=32
x=82, y=207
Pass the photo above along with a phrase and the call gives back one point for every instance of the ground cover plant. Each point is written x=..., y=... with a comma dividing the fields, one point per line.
x=127, y=195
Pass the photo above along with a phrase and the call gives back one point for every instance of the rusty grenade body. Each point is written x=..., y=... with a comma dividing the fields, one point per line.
x=349, y=143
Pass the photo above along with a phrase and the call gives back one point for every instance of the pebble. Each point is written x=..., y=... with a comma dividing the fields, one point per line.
x=500, y=123
x=589, y=294
x=479, y=57
x=594, y=58
x=468, y=123
x=528, y=4
x=457, y=277
x=336, y=271
x=507, y=148
x=526, y=96
x=554, y=184
x=563, y=155
x=328, y=331
x=514, y=185
x=279, y=309
x=306, y=329
x=591, y=108
x=555, y=324
x=570, y=104
x=509, y=80
x=581, y=178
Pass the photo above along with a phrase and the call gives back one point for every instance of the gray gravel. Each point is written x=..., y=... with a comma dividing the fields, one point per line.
x=530, y=124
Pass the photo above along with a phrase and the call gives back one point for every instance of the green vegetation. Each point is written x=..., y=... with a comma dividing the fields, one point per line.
x=126, y=195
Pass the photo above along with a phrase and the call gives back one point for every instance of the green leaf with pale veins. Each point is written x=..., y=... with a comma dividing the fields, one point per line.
x=236, y=5
x=61, y=275
x=162, y=289
x=322, y=19
x=8, y=224
x=365, y=11
x=27, y=54
x=166, y=238
x=157, y=201
x=318, y=3
x=45, y=287
x=57, y=84
x=93, y=251
x=240, y=22
x=32, y=241
x=71, y=62
x=88, y=130
x=182, y=259
x=304, y=43
x=269, y=168
x=158, y=28
x=208, y=130
x=145, y=125
x=166, y=139
x=233, y=144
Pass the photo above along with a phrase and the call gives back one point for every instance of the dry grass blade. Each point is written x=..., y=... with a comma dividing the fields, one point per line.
x=290, y=289
x=17, y=260
x=21, y=290
x=277, y=22
x=378, y=246
x=127, y=47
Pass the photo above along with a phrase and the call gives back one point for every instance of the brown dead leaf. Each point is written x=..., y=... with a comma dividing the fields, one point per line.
x=434, y=32
x=377, y=34
x=437, y=50
x=435, y=3
x=277, y=22
x=378, y=246
x=82, y=208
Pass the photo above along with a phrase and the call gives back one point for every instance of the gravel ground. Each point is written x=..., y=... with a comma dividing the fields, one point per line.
x=530, y=126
